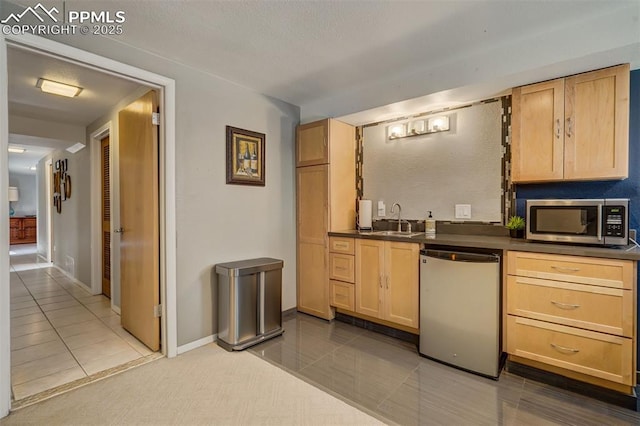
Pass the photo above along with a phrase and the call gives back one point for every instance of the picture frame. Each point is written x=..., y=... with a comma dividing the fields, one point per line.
x=245, y=157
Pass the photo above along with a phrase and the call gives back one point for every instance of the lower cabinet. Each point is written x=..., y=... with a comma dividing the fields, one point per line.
x=574, y=316
x=23, y=230
x=313, y=291
x=387, y=281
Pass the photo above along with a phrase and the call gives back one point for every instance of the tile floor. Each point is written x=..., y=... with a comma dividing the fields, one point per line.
x=389, y=379
x=59, y=331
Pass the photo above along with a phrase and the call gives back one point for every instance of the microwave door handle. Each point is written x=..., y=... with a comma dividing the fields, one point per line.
x=600, y=220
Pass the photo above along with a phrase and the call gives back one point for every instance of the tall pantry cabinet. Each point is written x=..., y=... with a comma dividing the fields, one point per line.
x=325, y=201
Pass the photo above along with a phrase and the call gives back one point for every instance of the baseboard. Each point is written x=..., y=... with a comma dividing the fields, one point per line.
x=196, y=344
x=74, y=279
x=603, y=394
x=116, y=309
x=43, y=257
x=289, y=313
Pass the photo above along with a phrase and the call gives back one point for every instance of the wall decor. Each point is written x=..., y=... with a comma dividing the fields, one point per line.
x=61, y=184
x=245, y=157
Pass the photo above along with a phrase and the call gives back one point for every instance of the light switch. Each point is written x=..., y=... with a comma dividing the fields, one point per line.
x=463, y=211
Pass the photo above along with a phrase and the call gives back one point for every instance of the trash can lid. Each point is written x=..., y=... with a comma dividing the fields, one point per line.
x=249, y=266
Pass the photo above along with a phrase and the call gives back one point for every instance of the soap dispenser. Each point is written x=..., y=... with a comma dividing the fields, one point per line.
x=430, y=225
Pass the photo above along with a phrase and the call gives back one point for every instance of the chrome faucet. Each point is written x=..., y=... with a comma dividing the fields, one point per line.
x=399, y=211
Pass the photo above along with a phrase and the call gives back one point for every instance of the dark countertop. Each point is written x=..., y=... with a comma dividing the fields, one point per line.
x=502, y=243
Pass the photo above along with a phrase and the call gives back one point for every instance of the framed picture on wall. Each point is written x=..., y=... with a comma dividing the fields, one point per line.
x=245, y=157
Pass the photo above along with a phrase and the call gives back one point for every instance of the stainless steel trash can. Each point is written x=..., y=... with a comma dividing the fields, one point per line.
x=249, y=302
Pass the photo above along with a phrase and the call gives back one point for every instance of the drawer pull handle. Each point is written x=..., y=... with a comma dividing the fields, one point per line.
x=340, y=296
x=565, y=269
x=564, y=349
x=341, y=268
x=341, y=245
x=565, y=305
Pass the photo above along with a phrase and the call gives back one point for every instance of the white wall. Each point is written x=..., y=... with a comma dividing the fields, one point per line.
x=436, y=171
x=27, y=194
x=217, y=222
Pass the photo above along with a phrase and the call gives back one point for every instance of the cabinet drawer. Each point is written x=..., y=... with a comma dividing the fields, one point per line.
x=603, y=309
x=342, y=295
x=342, y=245
x=584, y=270
x=596, y=354
x=342, y=267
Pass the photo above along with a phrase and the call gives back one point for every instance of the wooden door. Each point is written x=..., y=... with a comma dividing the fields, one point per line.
x=139, y=220
x=106, y=217
x=312, y=274
x=312, y=146
x=402, y=263
x=537, y=145
x=597, y=124
x=369, y=277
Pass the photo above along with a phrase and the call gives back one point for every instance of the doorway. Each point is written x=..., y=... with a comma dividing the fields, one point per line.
x=166, y=87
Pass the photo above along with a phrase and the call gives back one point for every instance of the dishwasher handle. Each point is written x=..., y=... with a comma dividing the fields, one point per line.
x=457, y=256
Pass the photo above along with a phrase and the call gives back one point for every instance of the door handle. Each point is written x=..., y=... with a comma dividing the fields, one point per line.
x=118, y=231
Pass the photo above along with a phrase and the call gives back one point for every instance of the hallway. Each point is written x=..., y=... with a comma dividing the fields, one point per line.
x=61, y=335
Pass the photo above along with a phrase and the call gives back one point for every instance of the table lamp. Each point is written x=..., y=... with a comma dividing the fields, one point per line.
x=13, y=196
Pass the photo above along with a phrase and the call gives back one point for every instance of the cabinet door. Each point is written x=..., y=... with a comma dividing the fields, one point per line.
x=402, y=283
x=537, y=132
x=597, y=124
x=369, y=277
x=15, y=226
x=312, y=201
x=312, y=146
x=313, y=282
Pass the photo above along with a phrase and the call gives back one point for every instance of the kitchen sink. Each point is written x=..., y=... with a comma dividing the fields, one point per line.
x=393, y=233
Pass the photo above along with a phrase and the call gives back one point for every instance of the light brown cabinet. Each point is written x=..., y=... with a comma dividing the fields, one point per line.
x=342, y=272
x=573, y=128
x=325, y=201
x=574, y=316
x=387, y=281
x=23, y=230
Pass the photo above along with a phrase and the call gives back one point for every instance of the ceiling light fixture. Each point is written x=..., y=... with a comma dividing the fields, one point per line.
x=33, y=168
x=418, y=127
x=76, y=147
x=16, y=150
x=56, y=88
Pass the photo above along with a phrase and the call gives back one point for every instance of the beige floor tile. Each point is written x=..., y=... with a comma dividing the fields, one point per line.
x=84, y=327
x=99, y=350
x=89, y=338
x=47, y=294
x=113, y=322
x=101, y=311
x=89, y=299
x=25, y=311
x=28, y=319
x=20, y=299
x=60, y=305
x=39, y=368
x=21, y=305
x=137, y=345
x=55, y=299
x=31, y=388
x=34, y=352
x=104, y=363
x=59, y=322
x=65, y=312
x=34, y=327
x=33, y=339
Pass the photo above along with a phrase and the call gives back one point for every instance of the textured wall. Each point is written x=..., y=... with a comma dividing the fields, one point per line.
x=436, y=171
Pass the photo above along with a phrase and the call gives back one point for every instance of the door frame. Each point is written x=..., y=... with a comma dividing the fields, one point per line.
x=48, y=167
x=166, y=88
x=96, y=213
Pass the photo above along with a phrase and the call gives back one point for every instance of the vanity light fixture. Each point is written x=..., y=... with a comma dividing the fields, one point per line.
x=395, y=131
x=418, y=127
x=57, y=88
x=438, y=124
x=16, y=150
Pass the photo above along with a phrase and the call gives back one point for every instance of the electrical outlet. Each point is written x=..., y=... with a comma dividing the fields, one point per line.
x=463, y=211
x=382, y=209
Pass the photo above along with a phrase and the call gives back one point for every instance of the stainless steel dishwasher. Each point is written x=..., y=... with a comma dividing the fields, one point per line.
x=460, y=309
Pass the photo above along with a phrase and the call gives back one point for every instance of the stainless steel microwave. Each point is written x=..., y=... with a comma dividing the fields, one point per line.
x=598, y=221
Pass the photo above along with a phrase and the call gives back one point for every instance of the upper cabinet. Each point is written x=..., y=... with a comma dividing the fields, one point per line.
x=311, y=144
x=573, y=128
